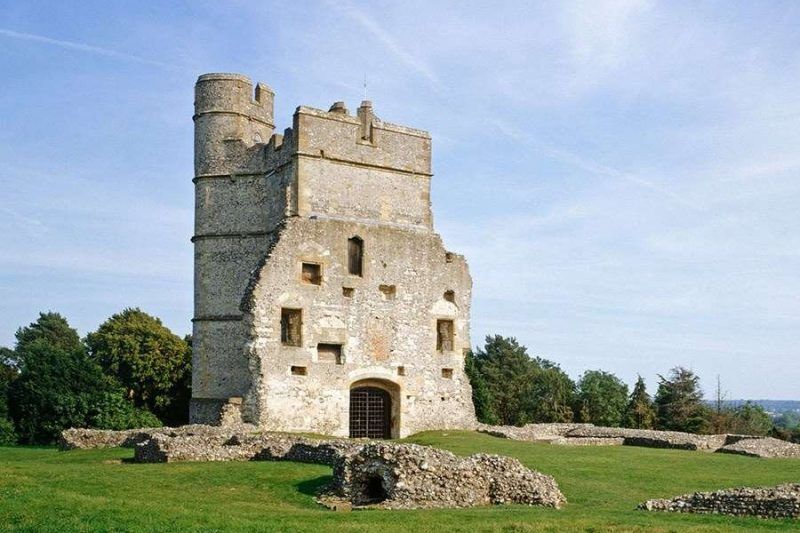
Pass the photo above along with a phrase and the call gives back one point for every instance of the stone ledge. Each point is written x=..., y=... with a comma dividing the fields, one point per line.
x=782, y=501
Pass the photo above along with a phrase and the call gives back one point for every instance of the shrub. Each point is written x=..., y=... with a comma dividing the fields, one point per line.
x=7, y=434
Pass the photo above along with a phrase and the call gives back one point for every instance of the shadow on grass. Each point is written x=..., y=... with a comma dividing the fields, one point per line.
x=311, y=487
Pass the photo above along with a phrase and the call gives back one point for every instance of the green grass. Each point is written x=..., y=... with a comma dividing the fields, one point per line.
x=42, y=489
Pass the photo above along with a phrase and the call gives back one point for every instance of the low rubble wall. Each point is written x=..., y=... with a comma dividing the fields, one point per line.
x=591, y=435
x=782, y=501
x=409, y=476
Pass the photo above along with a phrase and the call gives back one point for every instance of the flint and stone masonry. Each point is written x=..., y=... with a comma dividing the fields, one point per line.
x=324, y=300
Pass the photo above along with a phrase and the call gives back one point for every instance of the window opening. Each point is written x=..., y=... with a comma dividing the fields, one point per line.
x=291, y=327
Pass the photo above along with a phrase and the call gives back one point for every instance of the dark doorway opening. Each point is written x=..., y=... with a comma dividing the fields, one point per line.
x=375, y=492
x=370, y=413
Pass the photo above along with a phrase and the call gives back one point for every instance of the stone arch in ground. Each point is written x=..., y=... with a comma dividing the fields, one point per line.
x=374, y=409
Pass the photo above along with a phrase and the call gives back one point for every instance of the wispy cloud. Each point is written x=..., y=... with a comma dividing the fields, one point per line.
x=86, y=48
x=385, y=37
x=593, y=167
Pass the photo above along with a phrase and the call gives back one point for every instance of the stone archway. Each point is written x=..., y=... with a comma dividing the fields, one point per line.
x=374, y=409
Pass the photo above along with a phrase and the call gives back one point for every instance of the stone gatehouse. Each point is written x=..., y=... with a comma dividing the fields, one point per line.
x=324, y=300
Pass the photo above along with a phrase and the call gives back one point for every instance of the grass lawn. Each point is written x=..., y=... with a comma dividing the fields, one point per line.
x=42, y=489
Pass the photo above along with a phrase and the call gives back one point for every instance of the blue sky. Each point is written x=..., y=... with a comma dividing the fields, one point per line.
x=621, y=175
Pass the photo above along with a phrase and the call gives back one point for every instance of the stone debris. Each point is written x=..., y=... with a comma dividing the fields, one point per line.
x=762, y=447
x=366, y=473
x=409, y=476
x=531, y=432
x=591, y=435
x=588, y=441
x=782, y=501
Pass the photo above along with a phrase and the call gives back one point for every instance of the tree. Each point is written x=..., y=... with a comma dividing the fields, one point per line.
x=481, y=396
x=552, y=393
x=601, y=398
x=149, y=361
x=8, y=372
x=750, y=419
x=507, y=373
x=59, y=386
x=679, y=402
x=640, y=413
x=513, y=389
x=51, y=327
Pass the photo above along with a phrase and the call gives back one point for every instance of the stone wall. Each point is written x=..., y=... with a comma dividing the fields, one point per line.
x=591, y=435
x=782, y=501
x=409, y=476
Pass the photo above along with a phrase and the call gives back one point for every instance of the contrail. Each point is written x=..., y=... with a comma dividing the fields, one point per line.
x=388, y=41
x=97, y=50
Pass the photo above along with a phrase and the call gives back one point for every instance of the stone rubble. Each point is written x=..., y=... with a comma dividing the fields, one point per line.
x=409, y=476
x=782, y=501
x=384, y=474
x=591, y=435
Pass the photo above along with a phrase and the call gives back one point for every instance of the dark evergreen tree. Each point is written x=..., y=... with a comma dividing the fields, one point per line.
x=640, y=412
x=679, y=402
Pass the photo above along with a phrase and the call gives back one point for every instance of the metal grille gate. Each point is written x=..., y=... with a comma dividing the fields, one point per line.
x=370, y=413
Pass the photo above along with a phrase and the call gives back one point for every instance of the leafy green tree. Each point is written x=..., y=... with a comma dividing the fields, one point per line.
x=602, y=398
x=750, y=419
x=59, y=386
x=8, y=372
x=149, y=361
x=51, y=327
x=640, y=412
x=112, y=411
x=8, y=435
x=56, y=389
x=552, y=393
x=514, y=389
x=507, y=373
x=481, y=396
x=679, y=402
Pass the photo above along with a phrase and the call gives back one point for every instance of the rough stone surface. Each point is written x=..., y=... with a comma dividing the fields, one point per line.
x=652, y=438
x=408, y=476
x=588, y=441
x=782, y=501
x=531, y=432
x=762, y=447
x=267, y=203
x=591, y=435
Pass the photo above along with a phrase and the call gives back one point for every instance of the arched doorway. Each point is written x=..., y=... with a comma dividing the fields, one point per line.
x=370, y=413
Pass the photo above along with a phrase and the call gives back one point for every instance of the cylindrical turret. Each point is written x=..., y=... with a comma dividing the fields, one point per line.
x=227, y=110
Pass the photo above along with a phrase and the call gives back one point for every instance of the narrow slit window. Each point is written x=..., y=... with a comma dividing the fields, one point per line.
x=444, y=335
x=355, y=256
x=291, y=327
x=312, y=273
x=329, y=353
x=401, y=371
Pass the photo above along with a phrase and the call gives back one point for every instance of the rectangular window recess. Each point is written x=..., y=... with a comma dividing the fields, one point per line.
x=291, y=327
x=299, y=370
x=312, y=273
x=401, y=371
x=445, y=334
x=329, y=353
x=447, y=373
x=355, y=256
x=347, y=292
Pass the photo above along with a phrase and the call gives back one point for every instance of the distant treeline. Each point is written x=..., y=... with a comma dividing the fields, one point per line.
x=134, y=372
x=512, y=388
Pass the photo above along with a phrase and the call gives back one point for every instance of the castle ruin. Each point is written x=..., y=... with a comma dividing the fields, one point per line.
x=324, y=300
